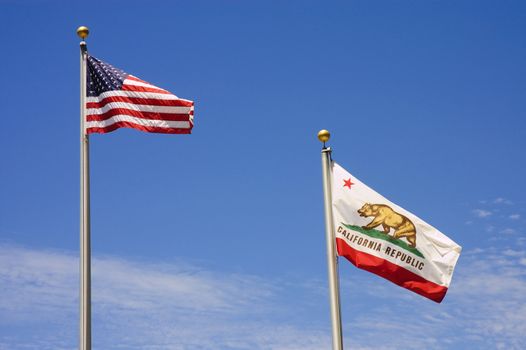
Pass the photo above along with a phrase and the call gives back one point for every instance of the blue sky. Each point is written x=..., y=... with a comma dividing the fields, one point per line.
x=216, y=240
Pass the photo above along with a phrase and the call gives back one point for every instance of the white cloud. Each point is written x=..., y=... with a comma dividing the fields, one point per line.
x=472, y=251
x=515, y=216
x=514, y=253
x=501, y=200
x=151, y=306
x=484, y=309
x=481, y=213
x=140, y=305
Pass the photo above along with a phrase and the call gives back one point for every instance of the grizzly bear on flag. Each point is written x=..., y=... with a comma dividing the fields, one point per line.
x=388, y=218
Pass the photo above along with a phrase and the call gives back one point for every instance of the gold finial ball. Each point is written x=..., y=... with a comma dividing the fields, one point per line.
x=324, y=135
x=82, y=32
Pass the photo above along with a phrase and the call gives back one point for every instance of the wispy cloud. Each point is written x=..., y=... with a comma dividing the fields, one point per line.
x=145, y=305
x=501, y=200
x=141, y=305
x=507, y=231
x=481, y=213
x=483, y=309
x=500, y=218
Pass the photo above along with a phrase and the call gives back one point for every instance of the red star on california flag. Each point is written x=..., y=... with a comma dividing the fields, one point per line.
x=348, y=183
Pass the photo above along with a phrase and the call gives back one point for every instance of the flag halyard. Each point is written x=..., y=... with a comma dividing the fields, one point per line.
x=116, y=99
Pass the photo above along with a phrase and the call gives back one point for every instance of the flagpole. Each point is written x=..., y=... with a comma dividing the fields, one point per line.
x=85, y=244
x=332, y=258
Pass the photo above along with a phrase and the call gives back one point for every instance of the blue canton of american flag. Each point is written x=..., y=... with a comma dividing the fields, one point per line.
x=119, y=100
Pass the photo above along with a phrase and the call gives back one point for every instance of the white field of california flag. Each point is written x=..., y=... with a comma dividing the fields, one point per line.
x=379, y=236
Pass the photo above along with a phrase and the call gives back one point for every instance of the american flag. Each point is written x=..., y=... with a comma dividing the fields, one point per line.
x=119, y=100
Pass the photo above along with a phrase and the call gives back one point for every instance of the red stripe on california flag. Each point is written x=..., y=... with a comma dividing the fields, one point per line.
x=392, y=272
x=154, y=129
x=138, y=114
x=139, y=101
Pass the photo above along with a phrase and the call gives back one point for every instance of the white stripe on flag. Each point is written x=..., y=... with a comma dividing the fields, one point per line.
x=140, y=108
x=138, y=121
x=138, y=94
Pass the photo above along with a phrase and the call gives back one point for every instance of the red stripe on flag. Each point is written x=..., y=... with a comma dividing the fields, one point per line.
x=153, y=88
x=139, y=101
x=154, y=129
x=138, y=114
x=133, y=77
x=392, y=272
x=127, y=87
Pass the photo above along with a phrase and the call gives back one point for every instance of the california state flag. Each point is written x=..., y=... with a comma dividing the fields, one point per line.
x=379, y=236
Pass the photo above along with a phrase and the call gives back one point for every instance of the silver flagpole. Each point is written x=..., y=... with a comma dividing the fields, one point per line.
x=332, y=258
x=85, y=244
